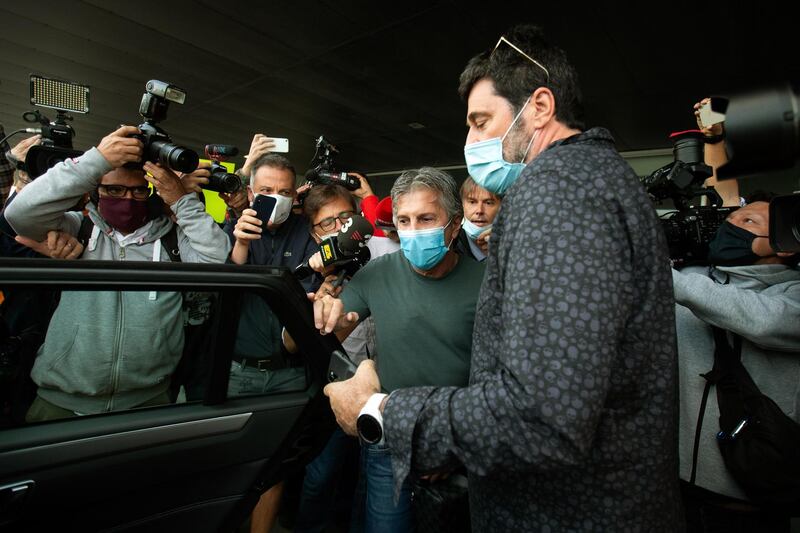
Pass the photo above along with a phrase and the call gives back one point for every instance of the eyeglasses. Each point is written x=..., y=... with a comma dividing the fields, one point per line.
x=327, y=224
x=529, y=58
x=141, y=192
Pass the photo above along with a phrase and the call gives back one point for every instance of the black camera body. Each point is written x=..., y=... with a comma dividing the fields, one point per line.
x=220, y=179
x=158, y=146
x=324, y=171
x=55, y=133
x=56, y=143
x=689, y=229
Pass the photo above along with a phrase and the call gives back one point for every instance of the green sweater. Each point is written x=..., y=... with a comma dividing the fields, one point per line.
x=423, y=326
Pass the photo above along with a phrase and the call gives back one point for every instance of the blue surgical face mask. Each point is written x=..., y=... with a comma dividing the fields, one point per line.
x=424, y=248
x=487, y=166
x=473, y=231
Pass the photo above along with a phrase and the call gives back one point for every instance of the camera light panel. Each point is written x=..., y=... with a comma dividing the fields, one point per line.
x=59, y=94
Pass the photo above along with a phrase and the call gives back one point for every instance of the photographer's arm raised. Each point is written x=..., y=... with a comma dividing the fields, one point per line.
x=42, y=206
x=767, y=318
x=715, y=156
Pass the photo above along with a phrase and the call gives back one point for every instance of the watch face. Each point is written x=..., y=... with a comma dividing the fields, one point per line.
x=369, y=429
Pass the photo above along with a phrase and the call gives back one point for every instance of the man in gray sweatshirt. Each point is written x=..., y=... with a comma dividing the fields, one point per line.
x=107, y=351
x=754, y=292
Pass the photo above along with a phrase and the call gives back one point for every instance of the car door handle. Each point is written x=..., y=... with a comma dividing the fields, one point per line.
x=12, y=497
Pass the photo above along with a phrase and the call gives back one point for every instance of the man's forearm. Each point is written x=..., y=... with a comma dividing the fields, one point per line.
x=41, y=206
x=715, y=157
x=240, y=252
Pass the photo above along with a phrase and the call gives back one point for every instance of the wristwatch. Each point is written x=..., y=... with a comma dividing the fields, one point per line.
x=370, y=420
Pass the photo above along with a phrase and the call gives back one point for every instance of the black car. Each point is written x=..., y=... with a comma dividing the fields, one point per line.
x=197, y=464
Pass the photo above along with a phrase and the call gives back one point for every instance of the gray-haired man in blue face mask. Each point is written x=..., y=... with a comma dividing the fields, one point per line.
x=569, y=421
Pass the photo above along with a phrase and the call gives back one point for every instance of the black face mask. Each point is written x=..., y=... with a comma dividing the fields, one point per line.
x=733, y=246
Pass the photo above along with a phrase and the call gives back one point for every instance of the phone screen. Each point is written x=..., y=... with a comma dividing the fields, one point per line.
x=263, y=206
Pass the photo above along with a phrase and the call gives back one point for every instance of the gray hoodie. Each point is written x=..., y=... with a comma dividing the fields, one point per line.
x=110, y=350
x=762, y=304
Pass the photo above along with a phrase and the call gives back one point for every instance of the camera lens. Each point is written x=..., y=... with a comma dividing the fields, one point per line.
x=223, y=182
x=179, y=158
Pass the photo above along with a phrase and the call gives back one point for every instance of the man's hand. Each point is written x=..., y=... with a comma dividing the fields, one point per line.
x=260, y=145
x=248, y=227
x=363, y=191
x=21, y=149
x=235, y=200
x=325, y=289
x=119, y=147
x=483, y=241
x=167, y=184
x=349, y=397
x=58, y=245
x=328, y=315
x=194, y=181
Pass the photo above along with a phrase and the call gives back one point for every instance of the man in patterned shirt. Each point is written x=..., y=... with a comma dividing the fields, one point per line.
x=570, y=418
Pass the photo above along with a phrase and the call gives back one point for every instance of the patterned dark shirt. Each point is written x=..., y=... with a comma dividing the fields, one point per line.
x=570, y=418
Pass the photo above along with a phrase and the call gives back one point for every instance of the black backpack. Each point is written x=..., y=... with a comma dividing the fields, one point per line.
x=759, y=443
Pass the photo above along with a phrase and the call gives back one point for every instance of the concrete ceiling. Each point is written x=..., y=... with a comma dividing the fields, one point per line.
x=360, y=72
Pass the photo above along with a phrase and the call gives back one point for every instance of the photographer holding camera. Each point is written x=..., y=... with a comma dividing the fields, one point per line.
x=753, y=294
x=125, y=223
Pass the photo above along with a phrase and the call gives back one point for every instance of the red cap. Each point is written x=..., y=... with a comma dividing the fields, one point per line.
x=383, y=214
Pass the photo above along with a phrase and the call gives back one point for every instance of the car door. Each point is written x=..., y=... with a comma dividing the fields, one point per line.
x=198, y=463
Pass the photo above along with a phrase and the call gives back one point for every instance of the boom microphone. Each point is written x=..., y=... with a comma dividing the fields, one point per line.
x=355, y=234
x=347, y=246
x=220, y=152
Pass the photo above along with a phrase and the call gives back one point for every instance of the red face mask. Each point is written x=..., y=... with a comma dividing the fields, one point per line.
x=126, y=215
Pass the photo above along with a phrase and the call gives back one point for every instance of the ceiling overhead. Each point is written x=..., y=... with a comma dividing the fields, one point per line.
x=378, y=79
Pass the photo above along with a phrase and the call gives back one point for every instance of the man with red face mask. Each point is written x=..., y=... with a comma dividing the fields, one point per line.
x=107, y=351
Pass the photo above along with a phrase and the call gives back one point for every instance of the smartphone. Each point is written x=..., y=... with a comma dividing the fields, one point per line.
x=709, y=117
x=281, y=145
x=263, y=206
x=340, y=367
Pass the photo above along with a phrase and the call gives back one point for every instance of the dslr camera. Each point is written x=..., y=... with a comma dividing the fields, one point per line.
x=688, y=229
x=158, y=147
x=220, y=179
x=323, y=170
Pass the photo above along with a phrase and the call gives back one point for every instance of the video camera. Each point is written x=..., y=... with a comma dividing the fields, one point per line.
x=762, y=134
x=158, y=147
x=220, y=179
x=689, y=229
x=57, y=135
x=324, y=171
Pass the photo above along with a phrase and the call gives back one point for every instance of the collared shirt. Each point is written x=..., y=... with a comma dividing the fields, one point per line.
x=570, y=419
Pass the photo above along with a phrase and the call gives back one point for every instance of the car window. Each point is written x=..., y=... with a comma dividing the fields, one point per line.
x=82, y=352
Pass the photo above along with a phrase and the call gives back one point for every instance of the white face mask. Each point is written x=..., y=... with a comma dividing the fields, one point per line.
x=283, y=207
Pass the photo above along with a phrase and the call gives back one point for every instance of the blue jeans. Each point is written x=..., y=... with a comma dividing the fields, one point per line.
x=377, y=513
x=322, y=483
